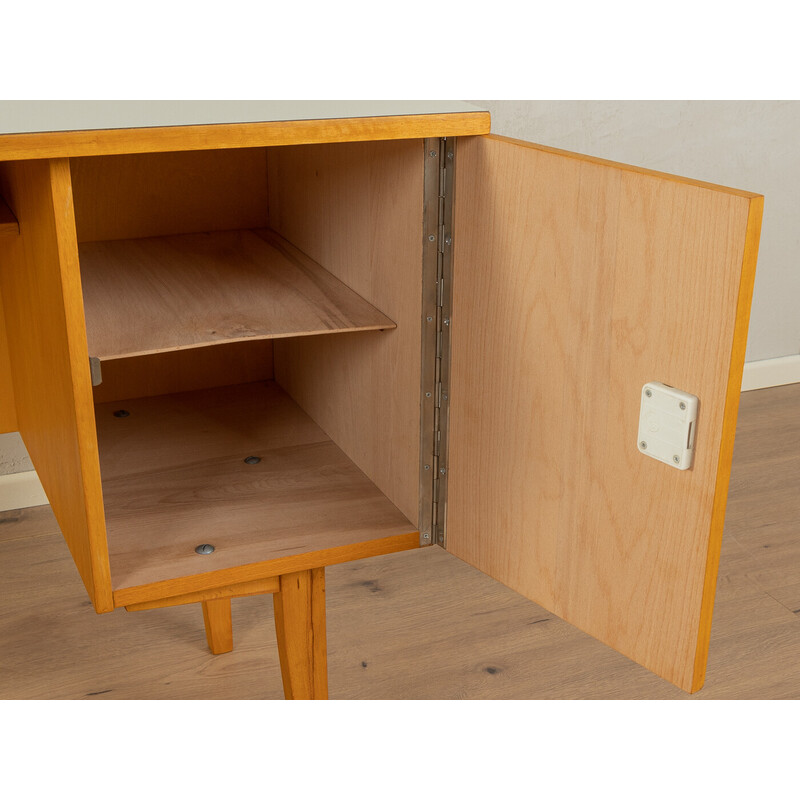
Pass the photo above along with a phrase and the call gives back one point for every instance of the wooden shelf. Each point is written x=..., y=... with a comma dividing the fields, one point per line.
x=175, y=292
x=174, y=477
x=9, y=226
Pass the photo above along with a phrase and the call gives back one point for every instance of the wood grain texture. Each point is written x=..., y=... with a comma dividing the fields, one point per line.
x=357, y=209
x=41, y=289
x=577, y=281
x=218, y=625
x=252, y=134
x=158, y=194
x=8, y=410
x=174, y=477
x=423, y=624
x=8, y=222
x=185, y=370
x=764, y=504
x=177, y=292
x=312, y=559
x=731, y=410
x=301, y=635
x=263, y=586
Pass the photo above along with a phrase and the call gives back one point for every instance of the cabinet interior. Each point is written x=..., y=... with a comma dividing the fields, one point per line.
x=261, y=302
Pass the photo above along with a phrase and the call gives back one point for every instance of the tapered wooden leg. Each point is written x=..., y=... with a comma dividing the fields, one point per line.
x=300, y=626
x=219, y=628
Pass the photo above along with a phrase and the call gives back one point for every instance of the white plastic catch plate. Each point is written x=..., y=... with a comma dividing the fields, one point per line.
x=666, y=424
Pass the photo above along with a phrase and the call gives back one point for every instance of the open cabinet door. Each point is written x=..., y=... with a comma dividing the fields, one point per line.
x=575, y=282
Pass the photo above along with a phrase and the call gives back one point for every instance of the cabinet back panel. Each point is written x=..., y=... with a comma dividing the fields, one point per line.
x=356, y=208
x=185, y=370
x=158, y=194
x=575, y=282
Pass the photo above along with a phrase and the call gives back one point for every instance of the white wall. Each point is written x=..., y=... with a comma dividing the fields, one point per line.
x=751, y=145
x=13, y=456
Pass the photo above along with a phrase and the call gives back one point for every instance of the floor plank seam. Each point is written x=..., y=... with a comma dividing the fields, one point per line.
x=759, y=584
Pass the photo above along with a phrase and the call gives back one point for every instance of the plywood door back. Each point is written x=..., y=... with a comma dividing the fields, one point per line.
x=41, y=289
x=357, y=210
x=575, y=282
x=157, y=194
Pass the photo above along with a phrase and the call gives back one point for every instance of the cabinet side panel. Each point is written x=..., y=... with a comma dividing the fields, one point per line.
x=159, y=194
x=8, y=411
x=576, y=282
x=40, y=282
x=356, y=208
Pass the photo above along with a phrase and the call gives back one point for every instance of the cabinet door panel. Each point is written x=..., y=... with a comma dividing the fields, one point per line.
x=576, y=281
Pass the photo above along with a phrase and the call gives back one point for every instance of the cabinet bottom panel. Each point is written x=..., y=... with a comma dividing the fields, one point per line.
x=240, y=468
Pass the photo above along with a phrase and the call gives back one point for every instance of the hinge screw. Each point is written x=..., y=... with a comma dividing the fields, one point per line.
x=431, y=238
x=448, y=239
x=446, y=322
x=432, y=153
x=683, y=406
x=204, y=549
x=442, y=471
x=427, y=394
x=676, y=459
x=450, y=155
x=648, y=392
x=430, y=319
x=427, y=466
x=643, y=445
x=252, y=460
x=426, y=536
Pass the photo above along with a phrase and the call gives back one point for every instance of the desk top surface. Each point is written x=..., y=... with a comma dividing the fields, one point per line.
x=68, y=128
x=49, y=116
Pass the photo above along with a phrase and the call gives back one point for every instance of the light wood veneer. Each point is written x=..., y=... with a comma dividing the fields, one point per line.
x=575, y=282
x=174, y=477
x=175, y=292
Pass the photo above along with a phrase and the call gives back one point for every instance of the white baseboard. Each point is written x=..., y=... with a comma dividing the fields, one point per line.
x=771, y=372
x=21, y=490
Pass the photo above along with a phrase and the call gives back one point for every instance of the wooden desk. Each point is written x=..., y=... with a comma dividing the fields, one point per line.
x=318, y=336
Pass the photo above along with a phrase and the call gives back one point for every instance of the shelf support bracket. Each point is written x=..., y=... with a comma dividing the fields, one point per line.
x=95, y=371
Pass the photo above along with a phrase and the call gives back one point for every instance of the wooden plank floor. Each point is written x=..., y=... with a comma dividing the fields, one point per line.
x=421, y=624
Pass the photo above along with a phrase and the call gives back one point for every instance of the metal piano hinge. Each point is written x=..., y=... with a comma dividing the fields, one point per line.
x=439, y=172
